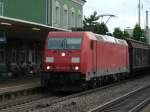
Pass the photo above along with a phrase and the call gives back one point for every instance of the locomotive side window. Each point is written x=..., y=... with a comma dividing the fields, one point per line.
x=64, y=43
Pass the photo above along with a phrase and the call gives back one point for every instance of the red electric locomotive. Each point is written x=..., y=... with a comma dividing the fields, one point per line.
x=79, y=59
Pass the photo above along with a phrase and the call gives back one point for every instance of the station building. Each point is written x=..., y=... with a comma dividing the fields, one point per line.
x=24, y=25
x=58, y=13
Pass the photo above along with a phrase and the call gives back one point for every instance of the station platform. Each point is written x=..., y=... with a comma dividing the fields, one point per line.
x=19, y=84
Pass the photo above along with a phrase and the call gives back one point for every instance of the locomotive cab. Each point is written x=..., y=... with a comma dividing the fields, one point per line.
x=64, y=59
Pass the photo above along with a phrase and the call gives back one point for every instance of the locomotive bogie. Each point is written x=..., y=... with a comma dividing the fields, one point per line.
x=64, y=81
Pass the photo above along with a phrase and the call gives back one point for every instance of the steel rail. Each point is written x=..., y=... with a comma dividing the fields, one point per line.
x=141, y=105
x=114, y=104
x=44, y=103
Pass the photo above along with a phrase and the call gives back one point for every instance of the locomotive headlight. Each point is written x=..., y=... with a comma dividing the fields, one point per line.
x=48, y=67
x=63, y=54
x=49, y=59
x=75, y=60
x=76, y=68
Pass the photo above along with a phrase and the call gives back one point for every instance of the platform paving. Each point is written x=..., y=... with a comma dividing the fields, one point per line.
x=12, y=85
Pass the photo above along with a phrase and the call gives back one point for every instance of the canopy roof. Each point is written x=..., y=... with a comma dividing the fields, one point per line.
x=16, y=28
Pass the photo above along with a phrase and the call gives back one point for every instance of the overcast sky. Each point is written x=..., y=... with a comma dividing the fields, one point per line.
x=125, y=10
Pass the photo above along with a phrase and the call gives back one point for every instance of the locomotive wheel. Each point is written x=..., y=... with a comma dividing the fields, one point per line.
x=85, y=86
x=118, y=77
x=100, y=83
x=92, y=84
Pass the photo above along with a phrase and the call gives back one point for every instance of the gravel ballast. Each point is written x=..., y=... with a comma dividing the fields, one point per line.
x=89, y=101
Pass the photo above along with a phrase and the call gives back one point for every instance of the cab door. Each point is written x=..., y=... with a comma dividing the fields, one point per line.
x=94, y=55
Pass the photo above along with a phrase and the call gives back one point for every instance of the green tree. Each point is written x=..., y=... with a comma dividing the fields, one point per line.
x=118, y=33
x=137, y=32
x=126, y=34
x=91, y=24
x=100, y=28
x=143, y=38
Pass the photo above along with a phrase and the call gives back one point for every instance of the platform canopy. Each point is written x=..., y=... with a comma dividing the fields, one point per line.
x=20, y=29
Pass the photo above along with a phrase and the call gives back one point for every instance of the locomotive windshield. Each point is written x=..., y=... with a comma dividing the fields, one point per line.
x=64, y=43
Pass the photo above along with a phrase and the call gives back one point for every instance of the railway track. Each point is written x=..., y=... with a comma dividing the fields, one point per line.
x=141, y=105
x=22, y=100
x=131, y=102
x=43, y=103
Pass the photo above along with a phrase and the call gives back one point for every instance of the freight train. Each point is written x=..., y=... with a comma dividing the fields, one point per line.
x=74, y=60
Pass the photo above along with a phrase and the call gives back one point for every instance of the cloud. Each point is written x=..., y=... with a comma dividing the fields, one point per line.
x=125, y=10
